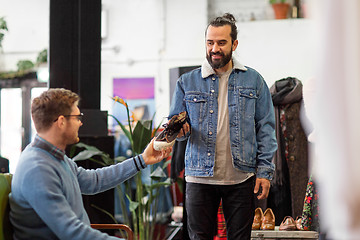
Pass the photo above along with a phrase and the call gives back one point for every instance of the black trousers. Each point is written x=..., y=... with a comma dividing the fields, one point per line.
x=202, y=203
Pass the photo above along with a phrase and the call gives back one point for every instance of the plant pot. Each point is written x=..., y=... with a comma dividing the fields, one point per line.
x=281, y=10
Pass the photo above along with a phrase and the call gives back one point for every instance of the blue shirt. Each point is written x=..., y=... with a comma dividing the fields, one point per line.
x=45, y=199
x=251, y=120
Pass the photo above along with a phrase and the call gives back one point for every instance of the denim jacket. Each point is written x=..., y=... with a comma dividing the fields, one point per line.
x=251, y=120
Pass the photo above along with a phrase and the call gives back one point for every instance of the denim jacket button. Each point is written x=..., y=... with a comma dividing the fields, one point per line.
x=212, y=90
x=211, y=111
x=210, y=133
x=195, y=99
x=209, y=154
x=213, y=79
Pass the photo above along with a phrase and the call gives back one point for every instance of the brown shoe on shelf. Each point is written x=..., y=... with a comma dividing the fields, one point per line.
x=288, y=224
x=257, y=219
x=298, y=223
x=268, y=221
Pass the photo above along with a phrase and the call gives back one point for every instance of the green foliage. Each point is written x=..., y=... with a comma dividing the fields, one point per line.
x=25, y=65
x=42, y=57
x=3, y=29
x=141, y=135
x=277, y=1
x=13, y=74
x=143, y=206
x=89, y=152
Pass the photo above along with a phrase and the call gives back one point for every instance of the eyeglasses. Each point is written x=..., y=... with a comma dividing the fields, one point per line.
x=79, y=116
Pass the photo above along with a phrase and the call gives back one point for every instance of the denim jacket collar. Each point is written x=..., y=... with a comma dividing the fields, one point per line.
x=207, y=70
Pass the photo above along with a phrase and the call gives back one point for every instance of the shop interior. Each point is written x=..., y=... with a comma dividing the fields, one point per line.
x=137, y=49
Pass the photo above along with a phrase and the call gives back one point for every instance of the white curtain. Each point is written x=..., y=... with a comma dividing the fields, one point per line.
x=337, y=116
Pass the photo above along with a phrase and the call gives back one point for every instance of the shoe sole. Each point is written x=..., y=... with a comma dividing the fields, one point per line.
x=287, y=228
x=160, y=145
x=267, y=226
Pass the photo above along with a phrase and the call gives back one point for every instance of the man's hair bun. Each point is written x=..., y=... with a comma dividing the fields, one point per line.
x=229, y=17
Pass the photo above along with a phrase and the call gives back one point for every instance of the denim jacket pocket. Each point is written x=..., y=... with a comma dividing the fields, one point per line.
x=247, y=101
x=196, y=103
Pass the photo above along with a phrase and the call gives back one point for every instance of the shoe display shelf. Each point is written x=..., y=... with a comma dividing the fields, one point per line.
x=283, y=235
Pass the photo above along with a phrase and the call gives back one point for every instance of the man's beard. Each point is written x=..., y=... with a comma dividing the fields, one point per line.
x=219, y=63
x=71, y=138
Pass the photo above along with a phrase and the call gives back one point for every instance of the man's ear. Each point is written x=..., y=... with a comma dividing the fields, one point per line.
x=61, y=121
x=235, y=44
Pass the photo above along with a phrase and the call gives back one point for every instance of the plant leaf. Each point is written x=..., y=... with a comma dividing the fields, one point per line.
x=122, y=126
x=166, y=163
x=120, y=159
x=104, y=211
x=165, y=183
x=141, y=135
x=158, y=174
x=72, y=150
x=86, y=154
x=107, y=159
x=88, y=147
x=132, y=204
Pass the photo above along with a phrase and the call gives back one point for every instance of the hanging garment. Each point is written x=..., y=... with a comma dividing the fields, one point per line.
x=288, y=186
x=310, y=215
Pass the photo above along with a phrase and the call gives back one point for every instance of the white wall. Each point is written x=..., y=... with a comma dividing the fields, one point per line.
x=278, y=48
x=147, y=38
x=28, y=23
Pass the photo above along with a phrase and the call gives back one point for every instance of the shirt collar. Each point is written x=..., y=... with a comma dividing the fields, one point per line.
x=45, y=145
x=207, y=70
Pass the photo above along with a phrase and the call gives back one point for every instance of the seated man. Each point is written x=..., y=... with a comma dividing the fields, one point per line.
x=46, y=200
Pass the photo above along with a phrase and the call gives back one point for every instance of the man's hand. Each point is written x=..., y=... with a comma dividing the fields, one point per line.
x=265, y=185
x=185, y=129
x=152, y=156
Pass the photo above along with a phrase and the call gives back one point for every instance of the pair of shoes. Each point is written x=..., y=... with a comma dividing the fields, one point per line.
x=298, y=223
x=257, y=219
x=288, y=224
x=168, y=136
x=268, y=221
x=263, y=221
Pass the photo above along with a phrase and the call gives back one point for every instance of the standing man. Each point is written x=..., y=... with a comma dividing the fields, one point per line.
x=231, y=139
x=46, y=200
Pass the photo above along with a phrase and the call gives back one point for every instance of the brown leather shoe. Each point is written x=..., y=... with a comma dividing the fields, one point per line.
x=288, y=224
x=298, y=223
x=257, y=219
x=268, y=221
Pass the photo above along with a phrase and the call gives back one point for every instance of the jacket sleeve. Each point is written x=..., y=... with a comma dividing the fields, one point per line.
x=178, y=104
x=265, y=132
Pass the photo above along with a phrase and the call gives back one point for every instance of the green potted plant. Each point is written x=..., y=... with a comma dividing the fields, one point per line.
x=281, y=8
x=143, y=206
